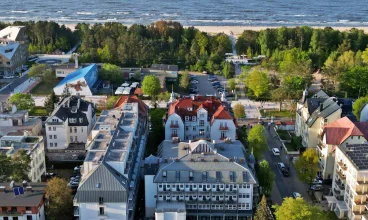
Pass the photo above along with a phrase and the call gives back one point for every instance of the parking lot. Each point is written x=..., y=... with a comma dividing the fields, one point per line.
x=204, y=86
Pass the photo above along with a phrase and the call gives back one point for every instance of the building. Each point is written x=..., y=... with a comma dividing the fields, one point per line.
x=62, y=70
x=18, y=122
x=199, y=117
x=34, y=145
x=69, y=125
x=13, y=49
x=30, y=206
x=80, y=81
x=316, y=112
x=350, y=182
x=205, y=180
x=338, y=133
x=111, y=177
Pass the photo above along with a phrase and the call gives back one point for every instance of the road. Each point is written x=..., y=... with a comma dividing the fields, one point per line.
x=283, y=186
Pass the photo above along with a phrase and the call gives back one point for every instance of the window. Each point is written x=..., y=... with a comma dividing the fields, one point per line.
x=76, y=139
x=55, y=144
x=100, y=200
x=101, y=211
x=28, y=208
x=80, y=120
x=70, y=129
x=55, y=137
x=50, y=136
x=194, y=128
x=358, y=137
x=201, y=123
x=186, y=118
x=54, y=120
x=201, y=115
x=194, y=118
x=71, y=138
x=186, y=128
x=201, y=131
x=72, y=120
x=49, y=128
x=51, y=144
x=81, y=129
x=75, y=129
x=29, y=217
x=54, y=128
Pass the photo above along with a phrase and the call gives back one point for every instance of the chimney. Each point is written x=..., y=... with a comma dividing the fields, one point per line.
x=321, y=107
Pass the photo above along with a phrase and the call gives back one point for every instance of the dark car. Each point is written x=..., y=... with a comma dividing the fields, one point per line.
x=285, y=173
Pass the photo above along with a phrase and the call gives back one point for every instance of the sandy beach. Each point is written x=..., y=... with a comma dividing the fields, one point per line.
x=237, y=30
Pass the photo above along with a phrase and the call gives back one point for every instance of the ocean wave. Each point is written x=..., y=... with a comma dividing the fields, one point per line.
x=20, y=12
x=111, y=19
x=84, y=13
x=122, y=12
x=169, y=15
x=148, y=14
x=59, y=11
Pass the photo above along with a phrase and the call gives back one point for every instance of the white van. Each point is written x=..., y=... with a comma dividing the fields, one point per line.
x=276, y=151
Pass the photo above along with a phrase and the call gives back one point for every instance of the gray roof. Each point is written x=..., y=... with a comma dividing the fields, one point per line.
x=219, y=162
x=357, y=154
x=164, y=67
x=320, y=94
x=30, y=198
x=104, y=182
x=328, y=107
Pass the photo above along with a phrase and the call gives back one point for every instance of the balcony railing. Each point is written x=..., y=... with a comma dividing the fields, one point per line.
x=359, y=202
x=174, y=126
x=361, y=192
x=342, y=165
x=224, y=128
x=321, y=144
x=363, y=212
x=341, y=175
x=174, y=135
x=362, y=182
x=337, y=191
x=10, y=213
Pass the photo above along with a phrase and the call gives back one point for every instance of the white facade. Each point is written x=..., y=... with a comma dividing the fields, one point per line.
x=105, y=211
x=150, y=190
x=223, y=128
x=66, y=126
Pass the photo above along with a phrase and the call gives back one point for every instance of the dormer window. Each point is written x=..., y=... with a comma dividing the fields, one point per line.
x=80, y=120
x=186, y=118
x=194, y=118
x=72, y=120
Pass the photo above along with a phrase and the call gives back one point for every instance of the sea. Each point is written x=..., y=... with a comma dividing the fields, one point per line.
x=192, y=12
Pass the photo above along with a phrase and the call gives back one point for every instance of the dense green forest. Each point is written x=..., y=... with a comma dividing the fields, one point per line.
x=46, y=36
x=341, y=57
x=160, y=42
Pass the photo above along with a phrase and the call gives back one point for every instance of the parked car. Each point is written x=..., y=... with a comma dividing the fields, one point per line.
x=317, y=182
x=296, y=195
x=283, y=169
x=194, y=81
x=276, y=151
x=215, y=82
x=317, y=187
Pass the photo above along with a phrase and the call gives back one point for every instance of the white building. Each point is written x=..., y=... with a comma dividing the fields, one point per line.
x=350, y=182
x=338, y=133
x=206, y=180
x=199, y=117
x=69, y=125
x=29, y=206
x=111, y=177
x=80, y=81
x=364, y=113
x=34, y=145
x=18, y=122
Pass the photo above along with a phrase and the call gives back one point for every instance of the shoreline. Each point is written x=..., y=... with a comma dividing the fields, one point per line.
x=237, y=30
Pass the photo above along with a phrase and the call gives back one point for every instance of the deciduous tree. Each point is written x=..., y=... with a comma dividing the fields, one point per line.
x=231, y=83
x=263, y=212
x=151, y=86
x=298, y=209
x=307, y=166
x=21, y=165
x=6, y=168
x=258, y=82
x=22, y=101
x=50, y=101
x=112, y=73
x=60, y=199
x=265, y=177
x=257, y=141
x=239, y=110
x=185, y=80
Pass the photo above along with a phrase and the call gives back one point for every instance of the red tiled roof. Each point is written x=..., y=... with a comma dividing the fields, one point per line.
x=189, y=107
x=132, y=99
x=338, y=131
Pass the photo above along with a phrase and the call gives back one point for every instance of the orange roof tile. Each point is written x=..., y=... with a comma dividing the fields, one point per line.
x=338, y=131
x=221, y=113
x=131, y=99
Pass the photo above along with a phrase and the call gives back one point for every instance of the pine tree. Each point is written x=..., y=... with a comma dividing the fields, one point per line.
x=262, y=212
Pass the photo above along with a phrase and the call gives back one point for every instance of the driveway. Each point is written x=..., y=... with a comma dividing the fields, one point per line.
x=283, y=186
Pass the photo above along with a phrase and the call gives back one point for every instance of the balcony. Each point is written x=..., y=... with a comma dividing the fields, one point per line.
x=359, y=202
x=341, y=175
x=342, y=165
x=321, y=144
x=174, y=126
x=10, y=213
x=361, y=192
x=224, y=128
x=340, y=184
x=233, y=192
x=362, y=182
x=336, y=191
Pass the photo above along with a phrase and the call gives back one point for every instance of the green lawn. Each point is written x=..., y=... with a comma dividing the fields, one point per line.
x=284, y=135
x=276, y=113
x=44, y=88
x=38, y=111
x=331, y=215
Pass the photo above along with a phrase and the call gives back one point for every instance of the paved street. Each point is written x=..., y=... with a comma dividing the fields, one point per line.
x=283, y=186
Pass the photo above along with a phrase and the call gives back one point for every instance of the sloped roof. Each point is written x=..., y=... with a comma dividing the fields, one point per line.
x=10, y=32
x=320, y=94
x=8, y=50
x=328, y=107
x=221, y=113
x=104, y=182
x=78, y=74
x=132, y=99
x=338, y=131
x=151, y=159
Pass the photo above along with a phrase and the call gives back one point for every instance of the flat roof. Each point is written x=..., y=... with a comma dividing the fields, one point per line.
x=30, y=198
